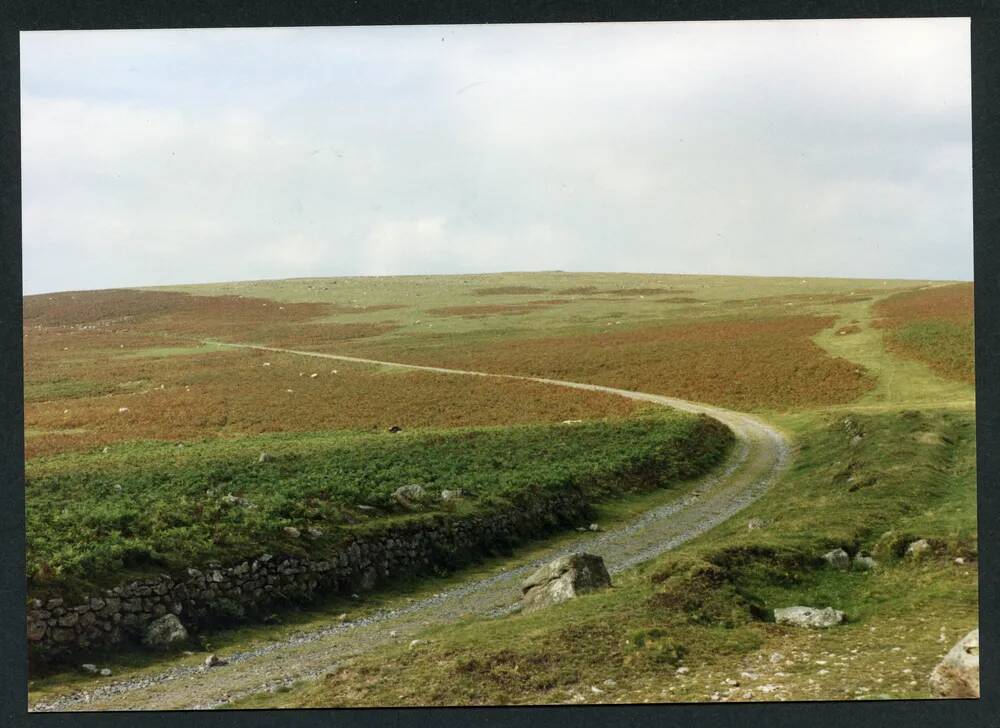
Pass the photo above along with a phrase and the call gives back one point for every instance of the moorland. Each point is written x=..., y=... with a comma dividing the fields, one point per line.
x=146, y=431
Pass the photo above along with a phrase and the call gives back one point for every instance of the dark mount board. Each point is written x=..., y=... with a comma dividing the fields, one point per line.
x=55, y=15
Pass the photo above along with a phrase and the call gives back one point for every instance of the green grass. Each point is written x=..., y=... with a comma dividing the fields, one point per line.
x=156, y=352
x=583, y=312
x=900, y=382
x=94, y=517
x=706, y=605
x=63, y=389
x=131, y=661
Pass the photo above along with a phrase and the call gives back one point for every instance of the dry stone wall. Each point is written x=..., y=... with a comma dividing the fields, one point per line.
x=215, y=593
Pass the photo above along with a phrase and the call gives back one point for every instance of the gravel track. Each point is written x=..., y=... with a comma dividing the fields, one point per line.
x=761, y=454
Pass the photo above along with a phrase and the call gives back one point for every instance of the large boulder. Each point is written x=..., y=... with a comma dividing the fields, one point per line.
x=808, y=616
x=957, y=675
x=165, y=632
x=563, y=579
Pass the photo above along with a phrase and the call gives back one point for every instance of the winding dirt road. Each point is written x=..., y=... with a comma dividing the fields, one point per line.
x=761, y=454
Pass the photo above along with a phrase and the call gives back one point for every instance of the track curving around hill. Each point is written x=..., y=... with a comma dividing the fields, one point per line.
x=761, y=453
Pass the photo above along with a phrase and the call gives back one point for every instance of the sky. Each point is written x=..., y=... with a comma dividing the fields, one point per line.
x=804, y=148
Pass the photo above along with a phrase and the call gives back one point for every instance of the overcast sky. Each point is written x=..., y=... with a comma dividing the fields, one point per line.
x=827, y=148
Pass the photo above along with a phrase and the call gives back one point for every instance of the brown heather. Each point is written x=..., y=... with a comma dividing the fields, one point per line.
x=746, y=364
x=78, y=378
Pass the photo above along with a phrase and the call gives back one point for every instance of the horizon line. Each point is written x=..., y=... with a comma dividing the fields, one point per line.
x=490, y=273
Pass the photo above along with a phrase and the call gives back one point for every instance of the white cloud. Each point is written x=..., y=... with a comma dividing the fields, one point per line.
x=771, y=147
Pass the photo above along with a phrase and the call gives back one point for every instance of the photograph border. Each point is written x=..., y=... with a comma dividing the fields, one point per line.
x=51, y=15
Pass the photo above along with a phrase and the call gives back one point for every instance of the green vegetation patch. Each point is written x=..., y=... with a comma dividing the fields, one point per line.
x=157, y=352
x=865, y=483
x=145, y=506
x=948, y=346
x=934, y=325
x=64, y=389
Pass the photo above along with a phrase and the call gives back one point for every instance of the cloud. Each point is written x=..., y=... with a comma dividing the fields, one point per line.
x=802, y=148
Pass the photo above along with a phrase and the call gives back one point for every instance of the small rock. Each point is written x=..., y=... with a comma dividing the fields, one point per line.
x=856, y=440
x=409, y=496
x=342, y=617
x=122, y=410
x=609, y=683
x=395, y=428
x=864, y=562
x=92, y=669
x=313, y=375
x=105, y=672
x=594, y=527
x=756, y=523
x=416, y=643
x=291, y=531
x=918, y=549
x=929, y=438
x=393, y=633
x=683, y=670
x=838, y=559
x=776, y=657
x=732, y=683
x=106, y=450
x=264, y=457
x=957, y=675
x=959, y=560
x=314, y=532
x=808, y=616
x=214, y=660
x=450, y=495
x=164, y=632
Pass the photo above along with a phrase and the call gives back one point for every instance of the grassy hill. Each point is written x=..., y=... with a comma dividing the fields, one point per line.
x=136, y=372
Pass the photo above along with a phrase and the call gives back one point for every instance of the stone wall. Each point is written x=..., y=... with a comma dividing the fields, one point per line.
x=217, y=593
